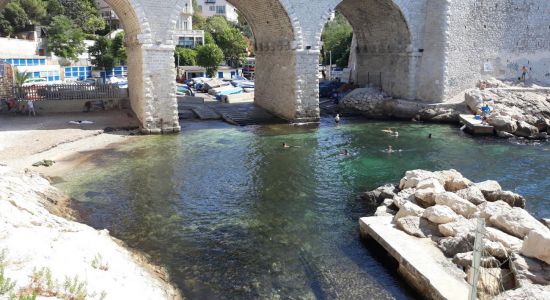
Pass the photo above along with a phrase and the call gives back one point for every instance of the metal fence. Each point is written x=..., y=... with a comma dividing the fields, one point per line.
x=70, y=92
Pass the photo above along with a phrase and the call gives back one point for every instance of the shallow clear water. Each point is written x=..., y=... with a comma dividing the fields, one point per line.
x=234, y=215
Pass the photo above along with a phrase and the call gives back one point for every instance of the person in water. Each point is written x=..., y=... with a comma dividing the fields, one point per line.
x=286, y=146
x=430, y=136
x=345, y=152
x=337, y=118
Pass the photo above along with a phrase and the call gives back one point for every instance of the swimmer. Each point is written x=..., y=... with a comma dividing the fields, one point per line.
x=390, y=149
x=345, y=152
x=389, y=130
x=430, y=136
x=286, y=146
x=396, y=134
x=337, y=118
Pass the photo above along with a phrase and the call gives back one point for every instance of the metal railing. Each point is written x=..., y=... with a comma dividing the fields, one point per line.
x=70, y=92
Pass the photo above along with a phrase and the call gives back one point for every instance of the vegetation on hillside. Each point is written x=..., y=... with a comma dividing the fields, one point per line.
x=337, y=36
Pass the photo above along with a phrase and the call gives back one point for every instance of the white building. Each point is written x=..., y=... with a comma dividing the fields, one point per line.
x=210, y=8
x=184, y=34
x=108, y=14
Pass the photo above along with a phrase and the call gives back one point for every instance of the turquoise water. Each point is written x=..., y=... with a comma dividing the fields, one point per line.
x=233, y=215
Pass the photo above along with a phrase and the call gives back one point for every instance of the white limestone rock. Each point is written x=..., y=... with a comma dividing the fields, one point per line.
x=511, y=243
x=383, y=211
x=488, y=186
x=474, y=100
x=417, y=226
x=517, y=222
x=528, y=271
x=465, y=260
x=452, y=180
x=537, y=244
x=440, y=214
x=451, y=246
x=460, y=227
x=409, y=209
x=496, y=249
x=490, y=209
x=413, y=177
x=530, y=292
x=503, y=123
x=491, y=281
x=457, y=204
x=526, y=130
x=472, y=194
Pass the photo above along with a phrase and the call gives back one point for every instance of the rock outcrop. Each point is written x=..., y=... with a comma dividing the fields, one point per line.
x=448, y=208
x=40, y=246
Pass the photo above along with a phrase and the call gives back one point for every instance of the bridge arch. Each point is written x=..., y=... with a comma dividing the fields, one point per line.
x=382, y=50
x=276, y=37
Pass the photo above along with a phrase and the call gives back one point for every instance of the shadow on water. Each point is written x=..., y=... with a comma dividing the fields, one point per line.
x=233, y=215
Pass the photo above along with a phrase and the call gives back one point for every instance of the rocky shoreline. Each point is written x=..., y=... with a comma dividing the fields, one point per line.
x=43, y=253
x=445, y=207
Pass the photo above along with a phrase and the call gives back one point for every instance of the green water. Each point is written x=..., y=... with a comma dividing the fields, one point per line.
x=232, y=214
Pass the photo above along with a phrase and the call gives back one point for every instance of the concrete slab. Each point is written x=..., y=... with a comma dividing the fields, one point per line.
x=421, y=263
x=476, y=126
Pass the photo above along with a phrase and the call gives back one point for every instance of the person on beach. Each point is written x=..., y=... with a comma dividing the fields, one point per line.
x=30, y=108
x=524, y=71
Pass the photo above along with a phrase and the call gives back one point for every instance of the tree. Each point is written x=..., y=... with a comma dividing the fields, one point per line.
x=15, y=18
x=80, y=11
x=234, y=45
x=337, y=37
x=208, y=38
x=65, y=39
x=216, y=25
x=94, y=24
x=209, y=56
x=20, y=77
x=35, y=10
x=118, y=49
x=185, y=57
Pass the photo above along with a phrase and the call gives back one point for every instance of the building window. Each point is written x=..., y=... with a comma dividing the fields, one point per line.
x=212, y=8
x=220, y=9
x=186, y=42
x=1, y=69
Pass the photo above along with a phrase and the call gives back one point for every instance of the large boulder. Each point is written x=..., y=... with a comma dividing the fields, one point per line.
x=417, y=226
x=409, y=209
x=517, y=222
x=513, y=199
x=425, y=195
x=503, y=123
x=383, y=210
x=406, y=195
x=491, y=281
x=451, y=246
x=537, y=244
x=452, y=180
x=412, y=178
x=542, y=124
x=530, y=292
x=472, y=194
x=488, y=186
x=460, y=227
x=440, y=214
x=464, y=260
x=511, y=243
x=529, y=271
x=526, y=130
x=490, y=209
x=496, y=249
x=474, y=100
x=378, y=195
x=459, y=205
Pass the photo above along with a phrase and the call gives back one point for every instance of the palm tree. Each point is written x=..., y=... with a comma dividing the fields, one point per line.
x=21, y=77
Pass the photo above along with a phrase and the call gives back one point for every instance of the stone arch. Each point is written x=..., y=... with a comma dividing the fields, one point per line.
x=382, y=47
x=277, y=36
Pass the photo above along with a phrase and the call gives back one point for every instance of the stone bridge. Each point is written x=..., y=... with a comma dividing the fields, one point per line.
x=425, y=50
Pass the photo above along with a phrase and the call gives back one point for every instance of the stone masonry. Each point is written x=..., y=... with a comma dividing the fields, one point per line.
x=425, y=50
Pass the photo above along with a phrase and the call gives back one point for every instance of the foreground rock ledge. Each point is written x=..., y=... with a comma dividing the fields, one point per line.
x=428, y=222
x=45, y=254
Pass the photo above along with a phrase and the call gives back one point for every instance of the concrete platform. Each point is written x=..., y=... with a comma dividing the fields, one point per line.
x=421, y=263
x=476, y=126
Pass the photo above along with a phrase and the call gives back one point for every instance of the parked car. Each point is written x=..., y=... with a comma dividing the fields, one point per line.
x=184, y=90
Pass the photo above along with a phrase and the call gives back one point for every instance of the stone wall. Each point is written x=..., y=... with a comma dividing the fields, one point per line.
x=6, y=81
x=496, y=39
